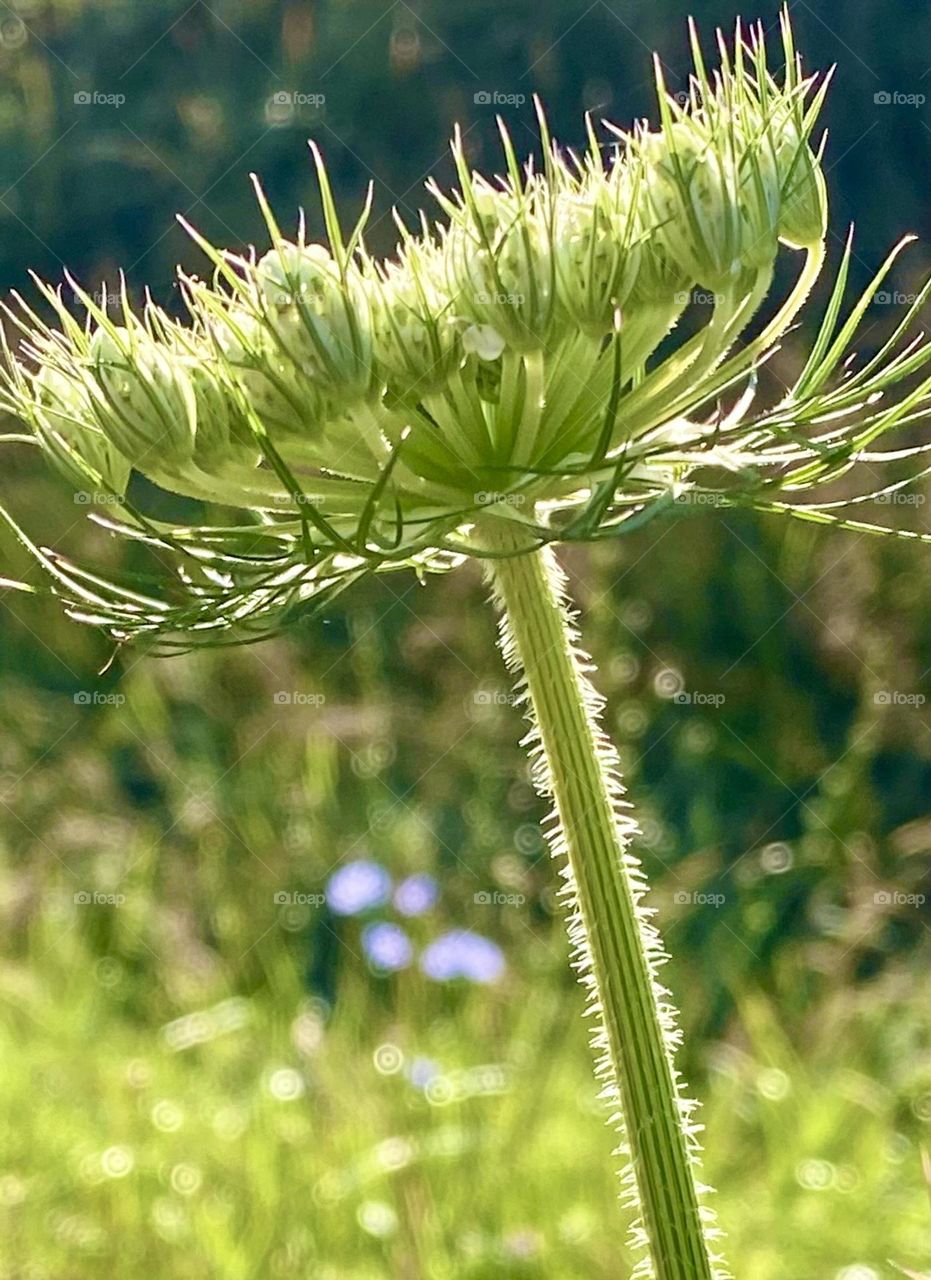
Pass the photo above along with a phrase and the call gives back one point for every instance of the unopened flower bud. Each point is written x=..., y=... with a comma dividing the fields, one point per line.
x=284, y=399
x=320, y=319
x=141, y=399
x=597, y=252
x=222, y=438
x=499, y=263
x=689, y=194
x=64, y=420
x=415, y=339
x=804, y=210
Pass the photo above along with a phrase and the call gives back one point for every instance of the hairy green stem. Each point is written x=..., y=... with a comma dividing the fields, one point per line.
x=616, y=948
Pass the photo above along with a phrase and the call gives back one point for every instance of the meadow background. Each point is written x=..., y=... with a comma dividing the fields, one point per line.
x=202, y=1073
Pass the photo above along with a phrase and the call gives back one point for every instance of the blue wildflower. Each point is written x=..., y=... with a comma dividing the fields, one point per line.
x=357, y=887
x=416, y=894
x=460, y=953
x=387, y=946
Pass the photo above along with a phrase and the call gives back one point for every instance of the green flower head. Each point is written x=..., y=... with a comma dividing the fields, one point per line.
x=518, y=360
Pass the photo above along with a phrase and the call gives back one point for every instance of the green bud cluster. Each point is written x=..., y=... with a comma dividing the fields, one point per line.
x=318, y=316
x=479, y=346
x=415, y=339
x=600, y=247
x=515, y=361
x=140, y=393
x=288, y=402
x=498, y=254
x=66, y=425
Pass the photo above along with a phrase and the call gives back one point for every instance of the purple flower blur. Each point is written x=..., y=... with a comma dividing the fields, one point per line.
x=357, y=887
x=463, y=954
x=387, y=946
x=421, y=1071
x=416, y=894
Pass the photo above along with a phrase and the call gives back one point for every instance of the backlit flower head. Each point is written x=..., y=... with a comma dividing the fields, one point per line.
x=516, y=361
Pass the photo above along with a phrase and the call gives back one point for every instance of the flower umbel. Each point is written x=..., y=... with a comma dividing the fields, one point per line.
x=504, y=367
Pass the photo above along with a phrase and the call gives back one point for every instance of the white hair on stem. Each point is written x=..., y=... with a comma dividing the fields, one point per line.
x=590, y=832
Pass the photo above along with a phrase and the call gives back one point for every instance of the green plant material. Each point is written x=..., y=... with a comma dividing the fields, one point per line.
x=364, y=414
x=507, y=383
x=229, y=1178
x=617, y=950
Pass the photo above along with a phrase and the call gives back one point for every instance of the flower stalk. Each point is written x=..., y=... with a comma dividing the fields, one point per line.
x=616, y=949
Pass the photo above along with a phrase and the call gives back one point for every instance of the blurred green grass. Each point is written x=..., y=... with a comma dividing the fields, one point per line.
x=274, y=1134
x=190, y=1079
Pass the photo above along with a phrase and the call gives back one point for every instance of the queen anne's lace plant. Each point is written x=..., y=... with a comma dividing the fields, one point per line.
x=512, y=379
